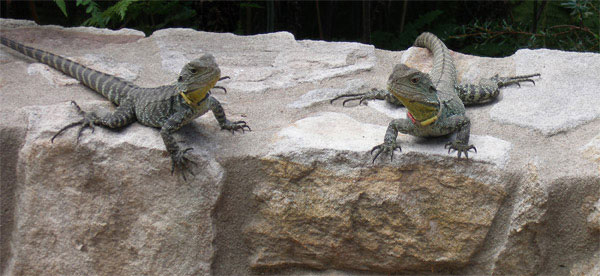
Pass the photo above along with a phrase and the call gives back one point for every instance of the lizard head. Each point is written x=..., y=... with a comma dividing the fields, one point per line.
x=197, y=77
x=415, y=90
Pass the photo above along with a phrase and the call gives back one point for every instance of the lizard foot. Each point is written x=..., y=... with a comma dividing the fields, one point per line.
x=506, y=81
x=237, y=125
x=386, y=148
x=460, y=148
x=88, y=121
x=374, y=94
x=182, y=163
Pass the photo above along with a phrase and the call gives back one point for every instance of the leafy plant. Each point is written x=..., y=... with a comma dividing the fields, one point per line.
x=405, y=39
x=62, y=6
x=576, y=28
x=100, y=18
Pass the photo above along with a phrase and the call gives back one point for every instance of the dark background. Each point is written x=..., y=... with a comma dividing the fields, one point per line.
x=487, y=28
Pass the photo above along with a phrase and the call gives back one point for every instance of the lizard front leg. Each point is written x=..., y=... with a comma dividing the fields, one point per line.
x=389, y=141
x=461, y=141
x=178, y=155
x=374, y=94
x=124, y=115
x=219, y=113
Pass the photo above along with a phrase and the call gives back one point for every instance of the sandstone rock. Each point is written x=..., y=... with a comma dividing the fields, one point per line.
x=267, y=61
x=94, y=212
x=528, y=209
x=320, y=95
x=592, y=150
x=594, y=217
x=298, y=195
x=561, y=100
x=331, y=208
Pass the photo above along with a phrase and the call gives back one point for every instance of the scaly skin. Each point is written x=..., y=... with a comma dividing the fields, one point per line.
x=166, y=107
x=435, y=102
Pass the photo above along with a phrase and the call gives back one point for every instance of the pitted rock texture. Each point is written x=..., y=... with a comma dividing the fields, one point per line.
x=94, y=212
x=389, y=218
x=298, y=195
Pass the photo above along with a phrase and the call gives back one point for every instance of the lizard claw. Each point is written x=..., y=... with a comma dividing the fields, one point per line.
x=506, y=81
x=374, y=94
x=237, y=125
x=385, y=148
x=88, y=121
x=460, y=148
x=181, y=162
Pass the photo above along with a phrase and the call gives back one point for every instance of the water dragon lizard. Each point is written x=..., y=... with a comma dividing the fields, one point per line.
x=435, y=101
x=166, y=107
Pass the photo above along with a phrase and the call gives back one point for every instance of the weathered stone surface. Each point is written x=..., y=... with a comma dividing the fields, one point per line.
x=302, y=180
x=594, y=217
x=587, y=267
x=514, y=257
x=561, y=100
x=94, y=212
x=330, y=131
x=321, y=95
x=592, y=150
x=331, y=208
x=385, y=219
x=268, y=61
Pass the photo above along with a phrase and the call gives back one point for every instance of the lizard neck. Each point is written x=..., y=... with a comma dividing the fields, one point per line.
x=420, y=113
x=195, y=97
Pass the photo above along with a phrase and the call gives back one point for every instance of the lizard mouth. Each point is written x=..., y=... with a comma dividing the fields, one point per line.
x=198, y=93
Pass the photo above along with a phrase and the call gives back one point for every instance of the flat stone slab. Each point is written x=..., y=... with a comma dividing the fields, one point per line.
x=561, y=100
x=324, y=95
x=340, y=132
x=269, y=61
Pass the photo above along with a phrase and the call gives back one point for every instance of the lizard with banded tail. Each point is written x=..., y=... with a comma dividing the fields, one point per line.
x=167, y=107
x=435, y=101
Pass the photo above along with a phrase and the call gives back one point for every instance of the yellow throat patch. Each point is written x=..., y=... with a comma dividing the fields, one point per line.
x=419, y=113
x=195, y=97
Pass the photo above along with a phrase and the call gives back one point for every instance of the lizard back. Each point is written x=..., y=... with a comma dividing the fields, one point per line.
x=113, y=88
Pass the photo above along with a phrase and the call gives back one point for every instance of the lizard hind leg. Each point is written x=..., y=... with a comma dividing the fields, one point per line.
x=124, y=115
x=89, y=120
x=506, y=81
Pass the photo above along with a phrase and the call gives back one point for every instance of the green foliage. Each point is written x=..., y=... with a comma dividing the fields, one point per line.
x=101, y=18
x=144, y=15
x=490, y=28
x=62, y=6
x=405, y=39
x=575, y=27
x=96, y=19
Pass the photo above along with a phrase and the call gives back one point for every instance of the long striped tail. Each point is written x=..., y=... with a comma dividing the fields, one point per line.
x=443, y=72
x=113, y=88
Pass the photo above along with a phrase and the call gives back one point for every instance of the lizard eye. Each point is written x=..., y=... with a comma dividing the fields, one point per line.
x=414, y=80
x=193, y=70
